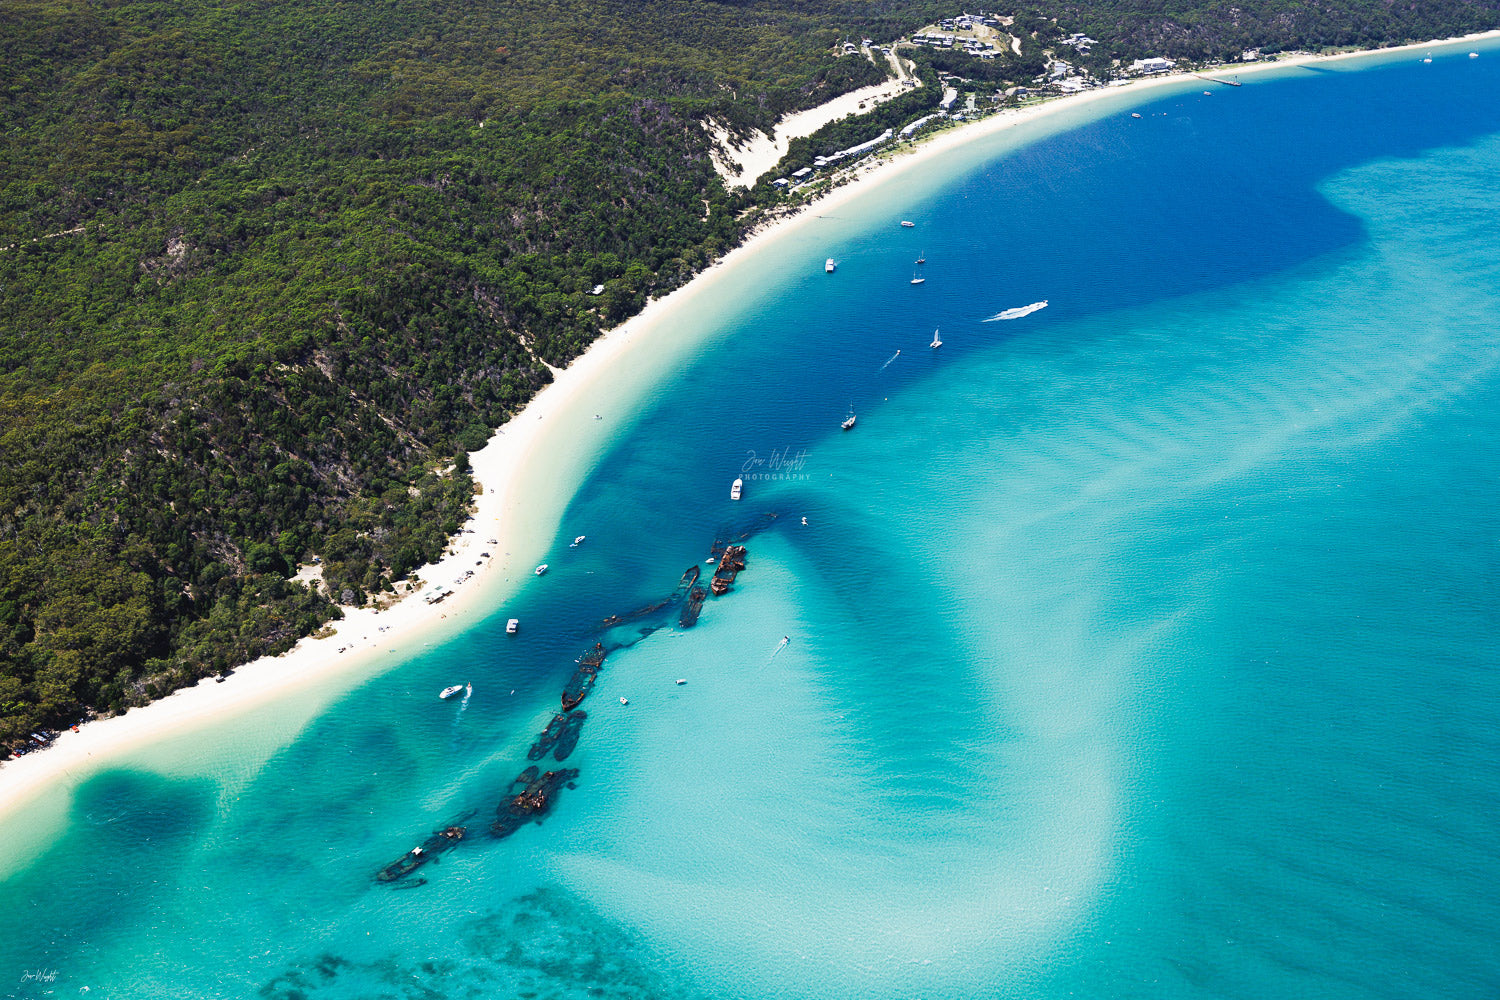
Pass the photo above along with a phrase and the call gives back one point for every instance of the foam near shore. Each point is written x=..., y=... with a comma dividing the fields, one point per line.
x=526, y=473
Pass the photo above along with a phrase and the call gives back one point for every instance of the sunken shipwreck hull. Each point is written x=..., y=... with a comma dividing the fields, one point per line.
x=582, y=681
x=567, y=740
x=530, y=797
x=548, y=737
x=440, y=842
x=693, y=608
x=730, y=565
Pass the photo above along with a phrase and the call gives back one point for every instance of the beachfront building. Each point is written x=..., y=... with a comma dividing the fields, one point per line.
x=907, y=131
x=1156, y=64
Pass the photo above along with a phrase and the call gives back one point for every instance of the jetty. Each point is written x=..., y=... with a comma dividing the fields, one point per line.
x=1211, y=79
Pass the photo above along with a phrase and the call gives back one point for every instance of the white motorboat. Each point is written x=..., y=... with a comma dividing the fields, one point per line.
x=736, y=489
x=449, y=692
x=541, y=569
x=828, y=266
x=577, y=541
x=512, y=626
x=908, y=225
x=936, y=340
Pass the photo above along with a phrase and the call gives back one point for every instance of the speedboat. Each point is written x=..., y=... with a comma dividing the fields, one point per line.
x=577, y=541
x=512, y=626
x=736, y=489
x=908, y=225
x=541, y=569
x=450, y=691
x=829, y=266
x=1135, y=114
x=624, y=701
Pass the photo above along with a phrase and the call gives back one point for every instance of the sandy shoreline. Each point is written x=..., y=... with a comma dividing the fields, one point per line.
x=522, y=495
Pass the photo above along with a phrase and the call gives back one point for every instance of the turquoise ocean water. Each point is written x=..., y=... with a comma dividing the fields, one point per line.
x=1144, y=646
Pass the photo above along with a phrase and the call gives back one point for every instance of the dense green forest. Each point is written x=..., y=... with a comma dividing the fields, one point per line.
x=269, y=270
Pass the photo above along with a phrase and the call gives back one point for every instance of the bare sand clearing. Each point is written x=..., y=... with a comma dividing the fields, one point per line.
x=742, y=166
x=526, y=472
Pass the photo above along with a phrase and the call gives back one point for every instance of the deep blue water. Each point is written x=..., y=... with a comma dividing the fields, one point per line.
x=1143, y=646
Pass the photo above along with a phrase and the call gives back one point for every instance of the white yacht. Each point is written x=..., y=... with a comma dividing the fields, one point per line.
x=736, y=489
x=908, y=225
x=828, y=266
x=449, y=692
x=577, y=541
x=512, y=626
x=541, y=569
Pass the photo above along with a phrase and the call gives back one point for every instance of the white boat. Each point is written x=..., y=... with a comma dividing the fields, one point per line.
x=449, y=692
x=1135, y=114
x=1473, y=55
x=908, y=225
x=624, y=701
x=681, y=681
x=917, y=279
x=541, y=569
x=848, y=424
x=921, y=258
x=577, y=541
x=828, y=266
x=936, y=340
x=512, y=626
x=736, y=489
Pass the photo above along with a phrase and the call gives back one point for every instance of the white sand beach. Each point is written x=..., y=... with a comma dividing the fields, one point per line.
x=527, y=473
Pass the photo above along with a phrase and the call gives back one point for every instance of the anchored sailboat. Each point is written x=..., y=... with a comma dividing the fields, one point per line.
x=936, y=340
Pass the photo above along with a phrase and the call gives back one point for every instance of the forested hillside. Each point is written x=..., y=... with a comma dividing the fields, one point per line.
x=269, y=269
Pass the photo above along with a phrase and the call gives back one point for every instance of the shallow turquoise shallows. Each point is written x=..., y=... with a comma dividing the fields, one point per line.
x=1144, y=645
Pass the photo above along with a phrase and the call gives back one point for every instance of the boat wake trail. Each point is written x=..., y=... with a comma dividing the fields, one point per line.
x=893, y=357
x=785, y=641
x=1018, y=311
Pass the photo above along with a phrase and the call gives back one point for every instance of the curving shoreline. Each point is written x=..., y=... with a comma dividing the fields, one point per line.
x=527, y=472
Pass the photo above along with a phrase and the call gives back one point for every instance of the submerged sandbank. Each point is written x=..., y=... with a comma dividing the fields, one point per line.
x=527, y=473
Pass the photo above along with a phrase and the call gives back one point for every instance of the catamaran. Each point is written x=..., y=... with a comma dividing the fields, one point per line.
x=936, y=340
